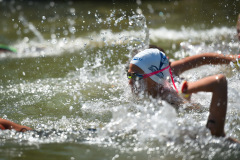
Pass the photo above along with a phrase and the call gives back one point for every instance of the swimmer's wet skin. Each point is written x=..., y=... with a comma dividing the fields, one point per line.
x=6, y=124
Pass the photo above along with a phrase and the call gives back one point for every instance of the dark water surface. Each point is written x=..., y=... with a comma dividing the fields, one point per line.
x=67, y=79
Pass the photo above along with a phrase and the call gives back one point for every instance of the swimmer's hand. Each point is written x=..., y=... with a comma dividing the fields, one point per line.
x=6, y=124
x=183, y=91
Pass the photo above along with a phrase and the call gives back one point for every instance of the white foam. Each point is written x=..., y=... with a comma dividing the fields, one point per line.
x=190, y=33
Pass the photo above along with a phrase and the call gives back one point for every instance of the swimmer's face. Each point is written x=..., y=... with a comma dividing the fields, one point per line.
x=137, y=83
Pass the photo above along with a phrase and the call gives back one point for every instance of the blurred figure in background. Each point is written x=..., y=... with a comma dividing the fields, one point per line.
x=238, y=27
x=5, y=48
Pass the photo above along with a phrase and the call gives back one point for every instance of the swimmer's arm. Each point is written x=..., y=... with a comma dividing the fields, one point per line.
x=187, y=63
x=6, y=124
x=217, y=85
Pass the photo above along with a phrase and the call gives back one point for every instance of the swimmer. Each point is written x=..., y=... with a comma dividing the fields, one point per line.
x=151, y=73
x=6, y=124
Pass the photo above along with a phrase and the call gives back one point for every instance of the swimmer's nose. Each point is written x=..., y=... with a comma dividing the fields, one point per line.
x=130, y=82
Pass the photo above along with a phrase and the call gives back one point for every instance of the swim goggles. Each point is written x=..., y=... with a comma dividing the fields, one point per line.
x=134, y=76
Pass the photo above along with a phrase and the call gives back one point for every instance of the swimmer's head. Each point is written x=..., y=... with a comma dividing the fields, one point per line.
x=154, y=64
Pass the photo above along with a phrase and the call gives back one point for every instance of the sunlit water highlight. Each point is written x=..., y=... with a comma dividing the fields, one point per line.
x=74, y=92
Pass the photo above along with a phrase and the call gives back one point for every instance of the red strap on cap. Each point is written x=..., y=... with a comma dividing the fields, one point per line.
x=156, y=72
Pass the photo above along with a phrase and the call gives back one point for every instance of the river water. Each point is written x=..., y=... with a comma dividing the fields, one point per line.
x=68, y=80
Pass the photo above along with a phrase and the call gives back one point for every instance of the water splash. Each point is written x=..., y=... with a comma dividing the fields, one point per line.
x=31, y=27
